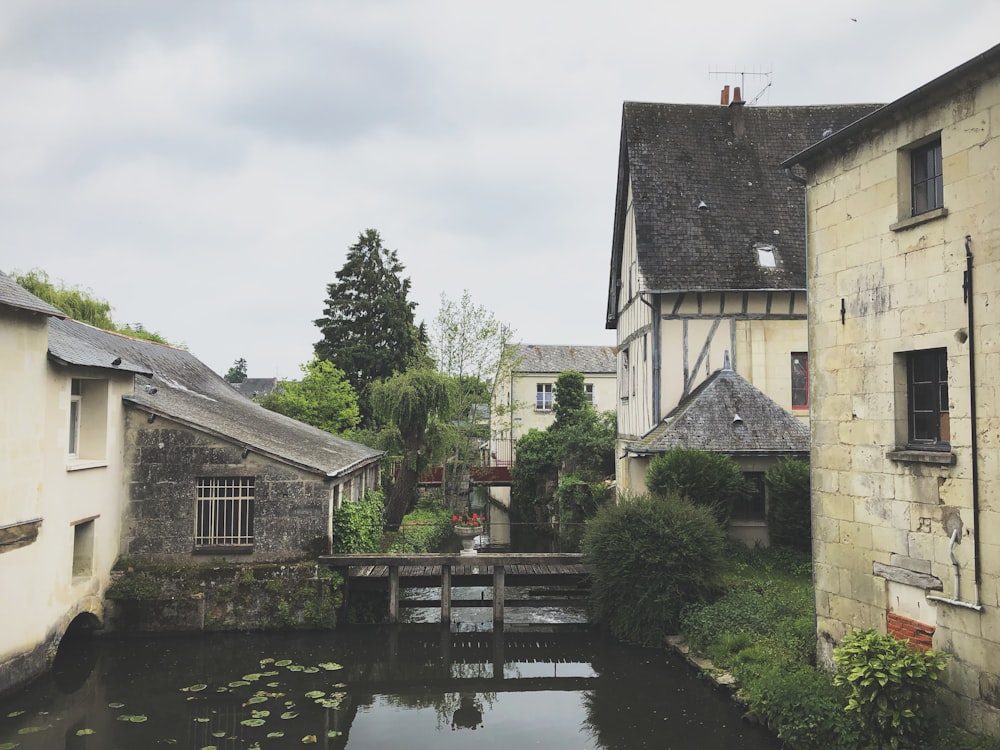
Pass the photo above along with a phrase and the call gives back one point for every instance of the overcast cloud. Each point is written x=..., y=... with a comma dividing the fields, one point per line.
x=204, y=166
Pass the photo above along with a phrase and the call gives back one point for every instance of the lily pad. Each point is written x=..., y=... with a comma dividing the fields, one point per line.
x=30, y=730
x=253, y=676
x=296, y=668
x=194, y=688
x=253, y=722
x=275, y=735
x=267, y=660
x=289, y=714
x=256, y=699
x=218, y=734
x=310, y=670
x=14, y=714
x=262, y=714
x=309, y=739
x=84, y=732
x=283, y=663
x=333, y=733
x=134, y=718
x=315, y=694
x=202, y=719
x=210, y=747
x=331, y=666
x=116, y=705
x=238, y=683
x=7, y=746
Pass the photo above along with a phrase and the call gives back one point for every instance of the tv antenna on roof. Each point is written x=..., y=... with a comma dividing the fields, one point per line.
x=743, y=74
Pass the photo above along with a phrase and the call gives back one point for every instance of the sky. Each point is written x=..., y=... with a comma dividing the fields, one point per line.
x=205, y=166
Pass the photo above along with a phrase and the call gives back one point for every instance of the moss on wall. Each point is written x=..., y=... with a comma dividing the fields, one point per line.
x=224, y=596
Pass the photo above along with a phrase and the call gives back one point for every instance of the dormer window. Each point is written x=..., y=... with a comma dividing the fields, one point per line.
x=765, y=255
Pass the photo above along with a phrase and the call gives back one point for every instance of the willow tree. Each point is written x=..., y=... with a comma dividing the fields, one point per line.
x=410, y=401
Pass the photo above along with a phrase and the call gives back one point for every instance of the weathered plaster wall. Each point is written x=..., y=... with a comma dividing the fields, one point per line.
x=165, y=459
x=902, y=290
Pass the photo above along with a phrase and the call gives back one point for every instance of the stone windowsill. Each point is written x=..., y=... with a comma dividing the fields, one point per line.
x=906, y=455
x=223, y=550
x=82, y=464
x=914, y=221
x=19, y=534
x=955, y=603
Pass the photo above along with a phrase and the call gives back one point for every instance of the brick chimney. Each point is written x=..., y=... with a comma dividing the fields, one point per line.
x=725, y=96
x=736, y=110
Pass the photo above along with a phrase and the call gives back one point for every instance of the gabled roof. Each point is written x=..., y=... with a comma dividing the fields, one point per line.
x=13, y=294
x=727, y=414
x=587, y=360
x=256, y=387
x=173, y=383
x=676, y=156
x=979, y=67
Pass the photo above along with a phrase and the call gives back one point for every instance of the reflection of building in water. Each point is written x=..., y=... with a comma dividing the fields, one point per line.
x=469, y=714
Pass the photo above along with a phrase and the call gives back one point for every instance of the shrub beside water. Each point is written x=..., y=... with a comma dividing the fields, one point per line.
x=650, y=557
x=705, y=478
x=357, y=526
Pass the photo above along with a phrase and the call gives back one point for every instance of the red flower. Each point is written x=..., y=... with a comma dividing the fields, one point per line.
x=454, y=518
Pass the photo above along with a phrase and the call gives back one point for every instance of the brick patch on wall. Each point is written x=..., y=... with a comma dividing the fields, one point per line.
x=918, y=634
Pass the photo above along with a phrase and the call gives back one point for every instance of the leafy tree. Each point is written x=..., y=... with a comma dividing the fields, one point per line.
x=534, y=474
x=789, y=519
x=410, y=401
x=238, y=372
x=704, y=477
x=80, y=304
x=571, y=404
x=323, y=398
x=368, y=321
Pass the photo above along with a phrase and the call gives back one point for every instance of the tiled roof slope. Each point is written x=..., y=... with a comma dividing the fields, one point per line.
x=13, y=294
x=256, y=387
x=677, y=155
x=556, y=359
x=182, y=388
x=706, y=420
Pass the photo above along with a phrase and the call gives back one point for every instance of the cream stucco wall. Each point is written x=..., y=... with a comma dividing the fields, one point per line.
x=687, y=335
x=882, y=518
x=77, y=501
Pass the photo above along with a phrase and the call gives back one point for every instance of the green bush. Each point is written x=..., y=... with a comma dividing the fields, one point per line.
x=802, y=706
x=423, y=530
x=789, y=517
x=888, y=684
x=578, y=500
x=705, y=478
x=357, y=526
x=650, y=557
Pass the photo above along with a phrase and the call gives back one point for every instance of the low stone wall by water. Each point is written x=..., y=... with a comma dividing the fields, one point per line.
x=172, y=598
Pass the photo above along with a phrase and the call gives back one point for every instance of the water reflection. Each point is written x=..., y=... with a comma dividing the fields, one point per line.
x=412, y=686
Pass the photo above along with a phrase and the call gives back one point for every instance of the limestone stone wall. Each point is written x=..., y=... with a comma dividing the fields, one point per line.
x=165, y=459
x=882, y=285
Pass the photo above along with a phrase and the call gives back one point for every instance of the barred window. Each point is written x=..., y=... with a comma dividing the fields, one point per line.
x=224, y=512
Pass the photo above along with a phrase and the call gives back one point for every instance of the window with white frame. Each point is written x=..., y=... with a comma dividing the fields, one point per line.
x=625, y=374
x=88, y=419
x=225, y=512
x=543, y=397
x=588, y=392
x=74, y=418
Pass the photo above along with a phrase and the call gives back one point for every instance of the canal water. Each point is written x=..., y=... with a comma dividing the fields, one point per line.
x=414, y=686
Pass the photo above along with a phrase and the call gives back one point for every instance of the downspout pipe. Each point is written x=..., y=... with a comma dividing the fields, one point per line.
x=974, y=443
x=954, y=565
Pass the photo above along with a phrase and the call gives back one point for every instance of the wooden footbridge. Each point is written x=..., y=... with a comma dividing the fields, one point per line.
x=563, y=571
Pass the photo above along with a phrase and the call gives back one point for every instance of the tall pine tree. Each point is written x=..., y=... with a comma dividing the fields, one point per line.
x=368, y=322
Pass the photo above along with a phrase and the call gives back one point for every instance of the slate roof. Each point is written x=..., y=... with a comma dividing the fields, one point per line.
x=589, y=360
x=173, y=383
x=13, y=294
x=678, y=155
x=706, y=420
x=255, y=387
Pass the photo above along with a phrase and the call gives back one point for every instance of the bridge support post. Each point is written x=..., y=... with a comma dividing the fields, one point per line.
x=393, y=594
x=497, y=594
x=445, y=594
